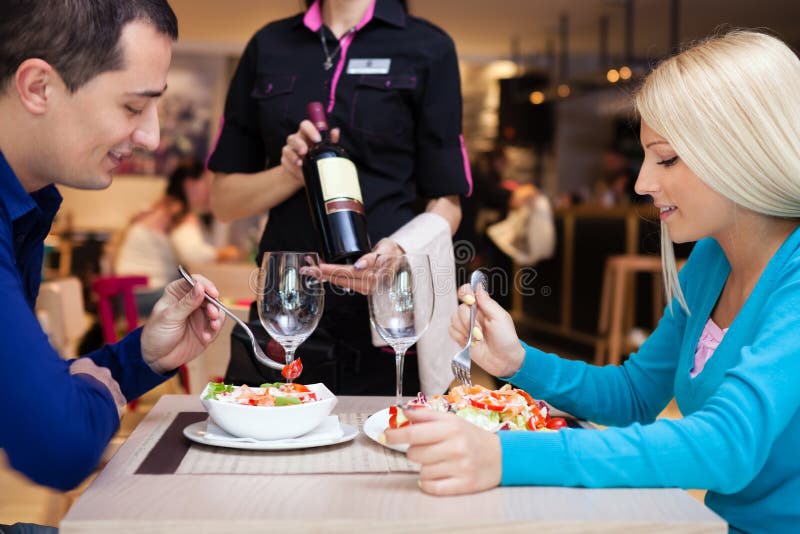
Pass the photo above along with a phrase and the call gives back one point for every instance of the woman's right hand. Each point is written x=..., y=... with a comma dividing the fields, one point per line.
x=499, y=352
x=296, y=147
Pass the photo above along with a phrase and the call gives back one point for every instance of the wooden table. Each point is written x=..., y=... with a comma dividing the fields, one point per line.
x=120, y=501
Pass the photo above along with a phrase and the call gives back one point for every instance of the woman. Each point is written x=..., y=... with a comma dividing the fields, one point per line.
x=721, y=135
x=169, y=233
x=391, y=86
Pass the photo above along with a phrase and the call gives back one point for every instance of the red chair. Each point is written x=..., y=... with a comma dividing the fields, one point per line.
x=107, y=288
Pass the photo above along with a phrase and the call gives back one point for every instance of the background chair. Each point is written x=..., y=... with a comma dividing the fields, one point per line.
x=618, y=303
x=107, y=289
x=61, y=312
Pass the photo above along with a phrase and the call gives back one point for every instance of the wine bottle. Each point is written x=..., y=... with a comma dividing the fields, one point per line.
x=334, y=195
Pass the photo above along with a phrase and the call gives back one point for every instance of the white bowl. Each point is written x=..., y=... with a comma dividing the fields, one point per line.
x=271, y=422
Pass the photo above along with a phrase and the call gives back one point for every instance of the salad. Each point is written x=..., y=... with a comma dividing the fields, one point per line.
x=506, y=408
x=277, y=394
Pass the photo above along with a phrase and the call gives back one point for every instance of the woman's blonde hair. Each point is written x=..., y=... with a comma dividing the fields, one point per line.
x=730, y=108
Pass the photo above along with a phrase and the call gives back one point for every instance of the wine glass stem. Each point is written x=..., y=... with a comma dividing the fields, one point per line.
x=289, y=359
x=399, y=355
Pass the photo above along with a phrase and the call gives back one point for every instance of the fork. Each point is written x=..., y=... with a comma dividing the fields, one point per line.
x=460, y=366
x=259, y=354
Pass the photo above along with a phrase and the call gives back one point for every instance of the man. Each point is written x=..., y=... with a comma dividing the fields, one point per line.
x=79, y=81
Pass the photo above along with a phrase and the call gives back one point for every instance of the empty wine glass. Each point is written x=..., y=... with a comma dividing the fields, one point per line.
x=401, y=303
x=290, y=297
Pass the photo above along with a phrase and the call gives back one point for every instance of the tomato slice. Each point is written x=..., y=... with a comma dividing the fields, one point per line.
x=556, y=422
x=527, y=397
x=488, y=403
x=397, y=419
x=292, y=370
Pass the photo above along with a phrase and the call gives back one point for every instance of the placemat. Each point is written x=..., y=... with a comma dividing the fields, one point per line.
x=168, y=452
x=362, y=455
x=173, y=453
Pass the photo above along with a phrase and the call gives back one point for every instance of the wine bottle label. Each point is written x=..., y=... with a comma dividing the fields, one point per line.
x=340, y=190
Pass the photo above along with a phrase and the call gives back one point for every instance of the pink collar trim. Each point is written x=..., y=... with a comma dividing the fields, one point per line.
x=313, y=17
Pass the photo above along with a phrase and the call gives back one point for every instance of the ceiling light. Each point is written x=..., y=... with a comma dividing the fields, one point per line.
x=536, y=97
x=563, y=90
x=612, y=76
x=625, y=72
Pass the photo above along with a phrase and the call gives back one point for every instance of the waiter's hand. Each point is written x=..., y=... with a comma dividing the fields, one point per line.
x=297, y=146
x=181, y=325
x=359, y=277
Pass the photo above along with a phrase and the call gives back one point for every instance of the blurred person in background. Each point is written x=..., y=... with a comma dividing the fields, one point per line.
x=493, y=196
x=723, y=172
x=79, y=81
x=615, y=184
x=175, y=230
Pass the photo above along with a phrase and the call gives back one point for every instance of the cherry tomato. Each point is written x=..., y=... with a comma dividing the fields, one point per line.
x=292, y=370
x=556, y=422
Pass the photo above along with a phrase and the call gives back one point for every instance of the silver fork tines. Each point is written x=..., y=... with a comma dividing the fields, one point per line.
x=462, y=362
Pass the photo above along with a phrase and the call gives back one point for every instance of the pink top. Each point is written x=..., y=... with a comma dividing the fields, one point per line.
x=709, y=341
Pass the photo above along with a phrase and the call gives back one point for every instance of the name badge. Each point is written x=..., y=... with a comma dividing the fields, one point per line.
x=369, y=66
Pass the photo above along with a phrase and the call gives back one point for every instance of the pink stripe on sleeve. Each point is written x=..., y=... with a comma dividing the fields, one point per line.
x=467, y=170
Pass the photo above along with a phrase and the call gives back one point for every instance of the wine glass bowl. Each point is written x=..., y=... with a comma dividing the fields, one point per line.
x=290, y=297
x=401, y=302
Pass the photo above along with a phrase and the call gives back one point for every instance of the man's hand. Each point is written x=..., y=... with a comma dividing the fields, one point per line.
x=499, y=352
x=86, y=366
x=181, y=325
x=359, y=277
x=455, y=456
x=296, y=147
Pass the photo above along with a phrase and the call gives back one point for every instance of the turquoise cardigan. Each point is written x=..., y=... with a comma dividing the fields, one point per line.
x=740, y=434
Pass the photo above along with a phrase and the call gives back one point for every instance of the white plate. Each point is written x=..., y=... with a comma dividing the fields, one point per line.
x=197, y=433
x=376, y=424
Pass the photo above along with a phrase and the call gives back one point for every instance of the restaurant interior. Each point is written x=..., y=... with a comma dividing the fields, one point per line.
x=546, y=90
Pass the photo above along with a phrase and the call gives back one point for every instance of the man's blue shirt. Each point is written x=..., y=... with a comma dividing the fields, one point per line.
x=54, y=425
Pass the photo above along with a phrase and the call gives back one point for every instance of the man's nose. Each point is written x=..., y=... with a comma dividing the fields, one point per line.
x=147, y=134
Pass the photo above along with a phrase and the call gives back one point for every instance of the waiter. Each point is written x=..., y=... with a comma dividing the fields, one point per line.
x=391, y=85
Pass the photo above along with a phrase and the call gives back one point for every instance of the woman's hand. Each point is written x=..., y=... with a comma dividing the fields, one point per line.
x=499, y=352
x=181, y=325
x=359, y=277
x=455, y=456
x=296, y=147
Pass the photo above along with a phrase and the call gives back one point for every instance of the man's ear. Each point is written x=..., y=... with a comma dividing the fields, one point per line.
x=33, y=80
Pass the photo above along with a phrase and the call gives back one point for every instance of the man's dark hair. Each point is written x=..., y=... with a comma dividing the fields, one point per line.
x=79, y=38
